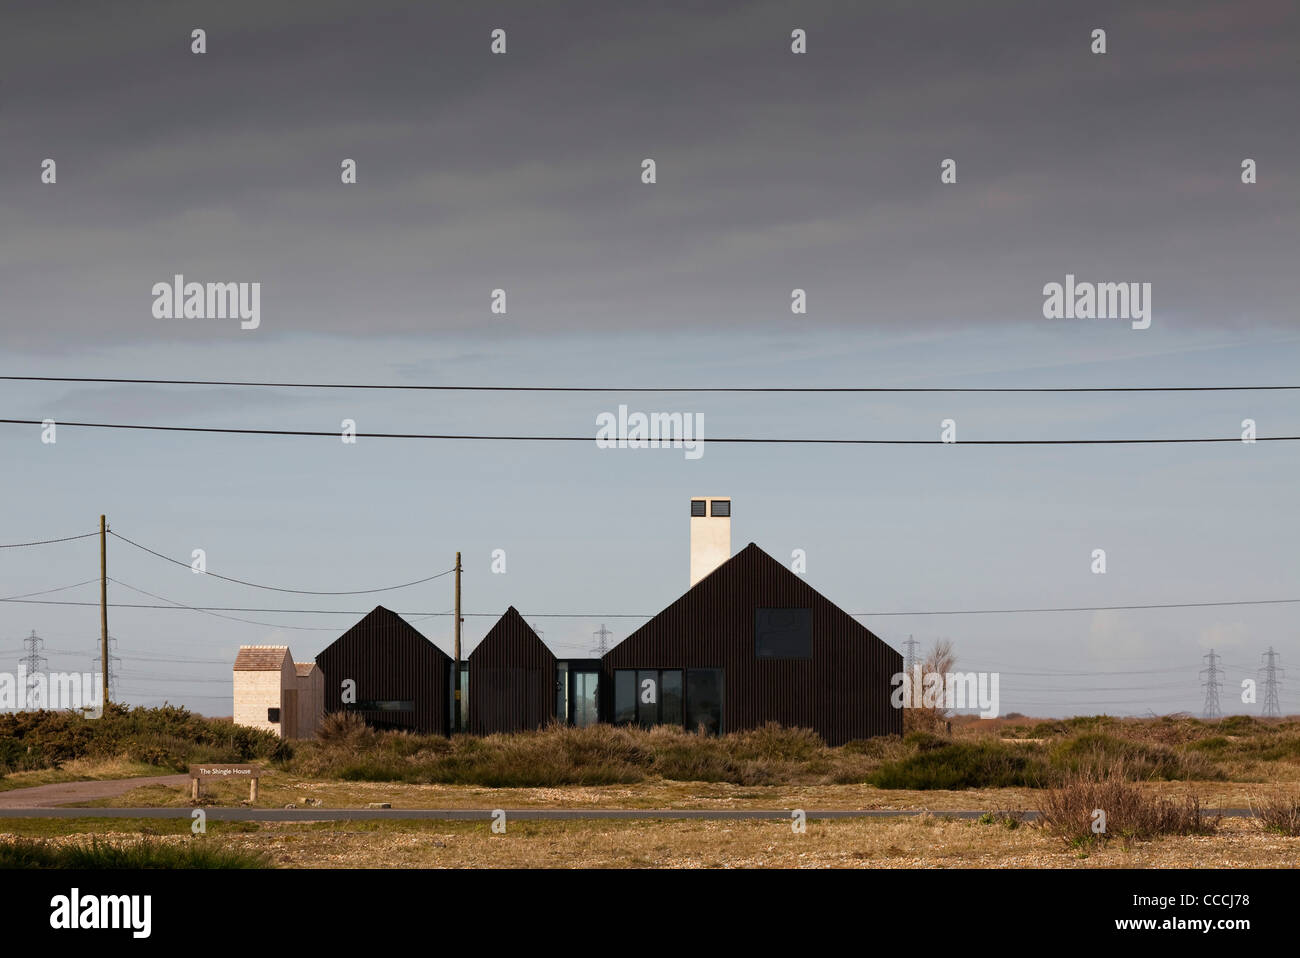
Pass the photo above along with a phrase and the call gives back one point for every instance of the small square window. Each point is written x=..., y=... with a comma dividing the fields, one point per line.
x=273, y=715
x=722, y=507
x=697, y=507
x=783, y=633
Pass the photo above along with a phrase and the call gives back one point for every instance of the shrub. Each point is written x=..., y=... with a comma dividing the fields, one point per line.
x=1092, y=753
x=345, y=729
x=1130, y=813
x=1278, y=814
x=964, y=765
x=1241, y=725
x=596, y=755
x=167, y=736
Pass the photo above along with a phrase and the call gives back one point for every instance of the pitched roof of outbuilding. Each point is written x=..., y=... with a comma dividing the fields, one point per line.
x=261, y=658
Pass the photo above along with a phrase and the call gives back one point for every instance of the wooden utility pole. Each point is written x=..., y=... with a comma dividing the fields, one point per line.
x=456, y=701
x=103, y=611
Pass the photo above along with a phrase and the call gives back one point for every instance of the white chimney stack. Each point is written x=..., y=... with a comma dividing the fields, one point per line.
x=710, y=534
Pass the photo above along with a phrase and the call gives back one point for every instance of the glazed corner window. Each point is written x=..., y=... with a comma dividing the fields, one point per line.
x=697, y=507
x=783, y=633
x=721, y=507
x=648, y=697
x=273, y=715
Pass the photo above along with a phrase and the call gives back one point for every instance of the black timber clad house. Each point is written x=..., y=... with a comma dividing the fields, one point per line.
x=515, y=682
x=511, y=679
x=751, y=643
x=403, y=681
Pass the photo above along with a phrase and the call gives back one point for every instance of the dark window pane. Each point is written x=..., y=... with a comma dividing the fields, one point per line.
x=624, y=696
x=647, y=698
x=670, y=697
x=722, y=507
x=697, y=507
x=585, y=698
x=273, y=715
x=385, y=705
x=783, y=633
x=704, y=700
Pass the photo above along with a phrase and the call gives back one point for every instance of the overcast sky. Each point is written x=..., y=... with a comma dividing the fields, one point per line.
x=775, y=171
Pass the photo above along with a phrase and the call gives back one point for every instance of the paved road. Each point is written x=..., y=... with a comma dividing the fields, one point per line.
x=66, y=793
x=472, y=814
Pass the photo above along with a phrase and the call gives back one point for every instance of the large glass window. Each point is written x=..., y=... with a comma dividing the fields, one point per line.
x=655, y=696
x=624, y=696
x=704, y=700
x=670, y=697
x=647, y=698
x=783, y=633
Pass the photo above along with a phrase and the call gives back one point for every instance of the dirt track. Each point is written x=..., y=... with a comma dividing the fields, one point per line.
x=65, y=793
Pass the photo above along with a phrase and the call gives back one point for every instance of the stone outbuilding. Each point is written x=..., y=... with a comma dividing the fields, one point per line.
x=277, y=694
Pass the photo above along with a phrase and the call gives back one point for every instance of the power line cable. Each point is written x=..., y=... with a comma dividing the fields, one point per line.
x=207, y=611
x=747, y=440
x=627, y=615
x=46, y=542
x=271, y=588
x=62, y=588
x=653, y=389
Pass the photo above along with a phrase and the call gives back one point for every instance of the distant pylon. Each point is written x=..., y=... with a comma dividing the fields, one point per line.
x=1212, y=685
x=1270, y=671
x=910, y=659
x=602, y=641
x=114, y=661
x=35, y=664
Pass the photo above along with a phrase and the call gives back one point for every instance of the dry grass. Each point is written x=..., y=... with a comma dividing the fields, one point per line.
x=598, y=755
x=1278, y=813
x=279, y=789
x=926, y=842
x=81, y=770
x=975, y=756
x=1093, y=808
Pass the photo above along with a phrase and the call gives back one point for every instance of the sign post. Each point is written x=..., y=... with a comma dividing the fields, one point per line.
x=200, y=772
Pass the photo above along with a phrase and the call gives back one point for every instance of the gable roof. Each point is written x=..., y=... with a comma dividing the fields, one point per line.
x=304, y=668
x=750, y=574
x=512, y=637
x=261, y=658
x=839, y=687
x=381, y=624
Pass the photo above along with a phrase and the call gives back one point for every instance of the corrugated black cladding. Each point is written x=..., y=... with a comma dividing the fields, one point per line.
x=391, y=662
x=842, y=691
x=511, y=679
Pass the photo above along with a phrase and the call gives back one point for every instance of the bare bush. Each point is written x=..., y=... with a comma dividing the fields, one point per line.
x=1278, y=813
x=1093, y=807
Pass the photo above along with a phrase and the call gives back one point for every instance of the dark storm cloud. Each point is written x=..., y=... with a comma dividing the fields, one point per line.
x=522, y=171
